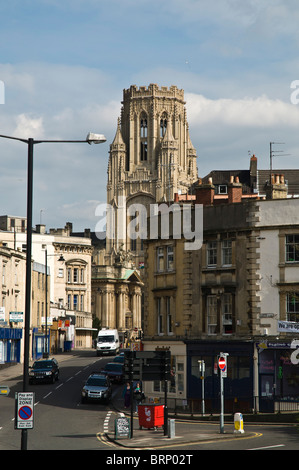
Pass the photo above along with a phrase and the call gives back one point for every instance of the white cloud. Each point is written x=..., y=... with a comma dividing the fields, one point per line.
x=260, y=112
x=28, y=126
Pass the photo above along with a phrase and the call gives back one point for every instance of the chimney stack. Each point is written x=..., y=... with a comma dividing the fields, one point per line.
x=205, y=193
x=234, y=190
x=277, y=189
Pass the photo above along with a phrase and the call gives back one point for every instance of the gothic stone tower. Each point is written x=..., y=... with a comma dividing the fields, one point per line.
x=151, y=157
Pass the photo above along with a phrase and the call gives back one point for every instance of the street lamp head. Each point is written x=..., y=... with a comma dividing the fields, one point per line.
x=95, y=138
x=61, y=258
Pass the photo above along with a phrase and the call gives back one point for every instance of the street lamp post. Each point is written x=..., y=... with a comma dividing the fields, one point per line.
x=91, y=138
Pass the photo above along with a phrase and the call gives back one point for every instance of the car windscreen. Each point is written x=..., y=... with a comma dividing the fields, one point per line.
x=98, y=381
x=42, y=365
x=105, y=339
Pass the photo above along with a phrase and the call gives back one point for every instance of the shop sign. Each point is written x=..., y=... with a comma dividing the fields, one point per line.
x=288, y=326
x=16, y=316
x=2, y=314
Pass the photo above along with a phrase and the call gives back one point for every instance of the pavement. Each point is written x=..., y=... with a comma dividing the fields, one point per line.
x=183, y=430
x=180, y=430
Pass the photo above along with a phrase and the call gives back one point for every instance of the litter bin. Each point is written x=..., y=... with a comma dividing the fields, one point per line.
x=150, y=416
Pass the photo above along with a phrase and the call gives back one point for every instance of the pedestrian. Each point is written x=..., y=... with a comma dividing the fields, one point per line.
x=127, y=395
x=138, y=395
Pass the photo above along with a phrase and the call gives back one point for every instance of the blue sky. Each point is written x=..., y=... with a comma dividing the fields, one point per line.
x=64, y=65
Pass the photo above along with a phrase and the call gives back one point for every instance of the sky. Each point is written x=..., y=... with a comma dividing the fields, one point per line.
x=65, y=63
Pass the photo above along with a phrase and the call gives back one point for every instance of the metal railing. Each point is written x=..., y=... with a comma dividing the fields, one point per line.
x=246, y=405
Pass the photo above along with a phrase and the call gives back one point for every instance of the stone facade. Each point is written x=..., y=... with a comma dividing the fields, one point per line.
x=151, y=157
x=237, y=294
x=151, y=160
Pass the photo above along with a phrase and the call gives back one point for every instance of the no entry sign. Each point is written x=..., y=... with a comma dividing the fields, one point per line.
x=24, y=410
x=222, y=363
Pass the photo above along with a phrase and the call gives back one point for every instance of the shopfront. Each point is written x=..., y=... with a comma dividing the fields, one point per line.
x=10, y=345
x=278, y=375
x=238, y=385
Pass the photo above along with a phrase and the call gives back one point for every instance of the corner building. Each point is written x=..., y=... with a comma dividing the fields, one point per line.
x=238, y=294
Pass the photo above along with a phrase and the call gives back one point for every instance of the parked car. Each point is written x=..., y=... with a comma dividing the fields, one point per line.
x=97, y=388
x=120, y=359
x=114, y=371
x=44, y=370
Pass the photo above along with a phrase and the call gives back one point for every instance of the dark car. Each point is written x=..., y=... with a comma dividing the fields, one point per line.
x=114, y=371
x=120, y=359
x=97, y=388
x=44, y=370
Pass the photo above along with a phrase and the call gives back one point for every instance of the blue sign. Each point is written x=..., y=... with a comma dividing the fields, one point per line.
x=25, y=412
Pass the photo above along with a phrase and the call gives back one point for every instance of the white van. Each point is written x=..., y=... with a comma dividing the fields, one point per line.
x=107, y=342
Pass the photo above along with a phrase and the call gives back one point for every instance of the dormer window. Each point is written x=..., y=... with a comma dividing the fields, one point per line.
x=222, y=189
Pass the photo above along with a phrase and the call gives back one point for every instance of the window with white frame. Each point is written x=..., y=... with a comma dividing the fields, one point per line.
x=227, y=313
x=180, y=376
x=170, y=258
x=222, y=189
x=212, y=314
x=160, y=259
x=292, y=306
x=226, y=252
x=159, y=316
x=169, y=316
x=212, y=253
x=292, y=248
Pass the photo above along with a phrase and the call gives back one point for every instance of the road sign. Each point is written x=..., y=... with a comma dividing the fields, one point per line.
x=24, y=410
x=4, y=391
x=222, y=363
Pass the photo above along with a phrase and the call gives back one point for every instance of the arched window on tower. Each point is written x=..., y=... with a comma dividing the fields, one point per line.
x=143, y=138
x=163, y=125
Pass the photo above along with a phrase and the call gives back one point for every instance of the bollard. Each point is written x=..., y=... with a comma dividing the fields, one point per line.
x=238, y=420
x=171, y=428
